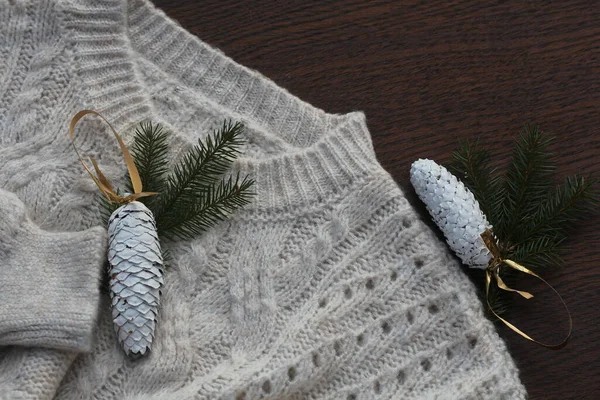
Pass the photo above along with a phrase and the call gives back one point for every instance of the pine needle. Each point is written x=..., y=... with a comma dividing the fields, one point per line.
x=194, y=176
x=192, y=218
x=526, y=182
x=562, y=207
x=538, y=253
x=150, y=151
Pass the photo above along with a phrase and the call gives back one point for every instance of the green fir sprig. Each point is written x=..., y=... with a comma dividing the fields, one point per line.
x=526, y=184
x=150, y=151
x=196, y=195
x=196, y=177
x=530, y=213
x=191, y=218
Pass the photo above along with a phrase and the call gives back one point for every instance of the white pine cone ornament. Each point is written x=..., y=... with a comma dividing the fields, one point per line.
x=454, y=210
x=136, y=276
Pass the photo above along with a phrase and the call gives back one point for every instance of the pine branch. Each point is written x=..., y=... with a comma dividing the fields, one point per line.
x=199, y=170
x=471, y=164
x=526, y=182
x=538, y=253
x=191, y=218
x=562, y=207
x=539, y=237
x=150, y=151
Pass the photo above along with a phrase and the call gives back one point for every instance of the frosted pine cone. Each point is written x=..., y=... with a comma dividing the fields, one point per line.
x=454, y=209
x=136, y=276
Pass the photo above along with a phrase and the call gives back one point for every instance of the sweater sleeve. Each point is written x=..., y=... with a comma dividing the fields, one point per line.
x=49, y=281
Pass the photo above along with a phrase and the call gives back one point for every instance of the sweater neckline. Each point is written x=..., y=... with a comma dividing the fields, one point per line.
x=330, y=151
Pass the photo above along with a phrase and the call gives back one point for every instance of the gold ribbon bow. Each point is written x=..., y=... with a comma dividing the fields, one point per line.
x=101, y=181
x=493, y=270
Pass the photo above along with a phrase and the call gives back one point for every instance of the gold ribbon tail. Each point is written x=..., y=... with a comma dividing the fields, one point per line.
x=100, y=180
x=494, y=272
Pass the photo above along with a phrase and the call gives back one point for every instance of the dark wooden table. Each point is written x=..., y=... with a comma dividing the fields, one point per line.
x=428, y=73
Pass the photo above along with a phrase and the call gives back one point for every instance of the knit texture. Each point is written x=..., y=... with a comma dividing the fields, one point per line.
x=328, y=286
x=49, y=281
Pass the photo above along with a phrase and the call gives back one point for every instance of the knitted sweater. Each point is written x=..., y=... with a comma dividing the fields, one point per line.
x=328, y=286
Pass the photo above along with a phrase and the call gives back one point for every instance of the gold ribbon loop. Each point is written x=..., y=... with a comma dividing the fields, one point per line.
x=493, y=270
x=503, y=286
x=101, y=181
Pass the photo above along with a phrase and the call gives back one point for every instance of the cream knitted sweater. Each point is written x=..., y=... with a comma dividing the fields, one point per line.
x=327, y=287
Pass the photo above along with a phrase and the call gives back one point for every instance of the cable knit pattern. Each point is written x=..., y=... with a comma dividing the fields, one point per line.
x=328, y=286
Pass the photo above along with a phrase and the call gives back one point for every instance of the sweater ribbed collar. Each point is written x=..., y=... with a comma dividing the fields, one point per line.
x=331, y=151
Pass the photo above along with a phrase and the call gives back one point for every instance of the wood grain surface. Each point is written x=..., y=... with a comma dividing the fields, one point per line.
x=428, y=73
